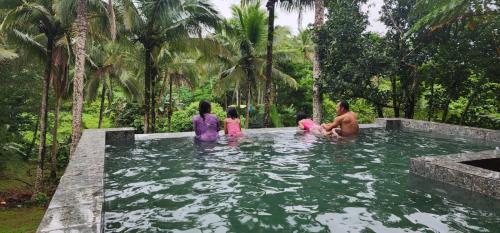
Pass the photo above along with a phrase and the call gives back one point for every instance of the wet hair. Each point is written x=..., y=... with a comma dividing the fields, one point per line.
x=232, y=113
x=204, y=108
x=300, y=116
x=345, y=105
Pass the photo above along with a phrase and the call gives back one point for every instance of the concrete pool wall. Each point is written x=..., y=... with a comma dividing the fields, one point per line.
x=78, y=201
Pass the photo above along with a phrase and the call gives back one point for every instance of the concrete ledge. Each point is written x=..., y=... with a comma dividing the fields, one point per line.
x=441, y=128
x=142, y=137
x=77, y=203
x=449, y=168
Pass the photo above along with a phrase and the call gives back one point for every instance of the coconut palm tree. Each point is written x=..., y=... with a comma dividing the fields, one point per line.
x=437, y=14
x=37, y=18
x=60, y=80
x=319, y=15
x=153, y=23
x=109, y=65
x=242, y=53
x=81, y=36
x=179, y=69
x=271, y=6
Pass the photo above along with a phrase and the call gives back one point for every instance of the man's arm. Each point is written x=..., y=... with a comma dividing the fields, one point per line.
x=333, y=125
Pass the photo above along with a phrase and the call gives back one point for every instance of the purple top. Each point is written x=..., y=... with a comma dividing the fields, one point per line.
x=208, y=129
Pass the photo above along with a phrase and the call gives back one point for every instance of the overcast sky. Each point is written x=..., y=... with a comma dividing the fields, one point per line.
x=289, y=19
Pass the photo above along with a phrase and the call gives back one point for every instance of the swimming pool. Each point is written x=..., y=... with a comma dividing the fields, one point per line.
x=289, y=182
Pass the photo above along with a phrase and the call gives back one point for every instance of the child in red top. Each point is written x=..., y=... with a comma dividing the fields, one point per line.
x=232, y=124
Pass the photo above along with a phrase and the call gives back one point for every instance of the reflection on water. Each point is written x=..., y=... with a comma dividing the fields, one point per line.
x=289, y=182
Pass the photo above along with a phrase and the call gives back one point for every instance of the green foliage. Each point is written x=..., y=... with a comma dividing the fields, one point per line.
x=41, y=198
x=128, y=115
x=275, y=117
x=182, y=120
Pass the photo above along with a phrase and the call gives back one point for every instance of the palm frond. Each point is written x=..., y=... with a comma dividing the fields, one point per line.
x=6, y=54
x=277, y=75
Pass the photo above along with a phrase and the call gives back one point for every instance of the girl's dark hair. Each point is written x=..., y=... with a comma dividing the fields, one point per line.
x=300, y=116
x=232, y=113
x=204, y=108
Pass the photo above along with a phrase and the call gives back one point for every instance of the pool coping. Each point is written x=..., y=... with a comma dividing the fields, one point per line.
x=77, y=204
x=449, y=168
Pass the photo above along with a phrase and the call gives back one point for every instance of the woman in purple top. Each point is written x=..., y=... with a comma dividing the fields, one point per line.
x=206, y=125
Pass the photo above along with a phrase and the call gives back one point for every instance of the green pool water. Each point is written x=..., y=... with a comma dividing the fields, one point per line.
x=289, y=182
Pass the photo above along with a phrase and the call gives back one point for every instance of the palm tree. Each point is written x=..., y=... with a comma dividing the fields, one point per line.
x=443, y=12
x=108, y=65
x=153, y=23
x=179, y=69
x=242, y=53
x=81, y=36
x=271, y=5
x=40, y=18
x=319, y=15
x=60, y=81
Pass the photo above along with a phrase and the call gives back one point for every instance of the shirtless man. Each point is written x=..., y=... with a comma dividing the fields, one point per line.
x=345, y=119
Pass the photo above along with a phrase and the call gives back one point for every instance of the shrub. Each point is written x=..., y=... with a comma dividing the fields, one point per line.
x=129, y=115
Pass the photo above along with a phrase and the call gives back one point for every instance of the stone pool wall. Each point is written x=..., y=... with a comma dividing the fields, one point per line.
x=77, y=203
x=450, y=168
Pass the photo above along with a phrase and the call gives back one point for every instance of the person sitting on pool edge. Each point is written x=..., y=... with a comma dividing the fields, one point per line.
x=345, y=119
x=206, y=125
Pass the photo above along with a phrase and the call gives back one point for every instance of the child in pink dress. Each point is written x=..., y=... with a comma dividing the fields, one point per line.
x=232, y=124
x=307, y=124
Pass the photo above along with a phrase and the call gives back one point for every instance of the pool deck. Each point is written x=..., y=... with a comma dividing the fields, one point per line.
x=78, y=201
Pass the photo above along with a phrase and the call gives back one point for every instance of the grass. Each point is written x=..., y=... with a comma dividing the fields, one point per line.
x=18, y=169
x=20, y=220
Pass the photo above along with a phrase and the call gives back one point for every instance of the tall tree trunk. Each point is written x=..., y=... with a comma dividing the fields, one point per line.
x=81, y=36
x=33, y=140
x=53, y=154
x=395, y=102
x=380, y=110
x=467, y=106
x=170, y=107
x=147, y=88
x=112, y=19
x=430, y=113
x=238, y=102
x=101, y=109
x=247, y=110
x=319, y=15
x=43, y=117
x=445, y=112
x=153, y=101
x=269, y=60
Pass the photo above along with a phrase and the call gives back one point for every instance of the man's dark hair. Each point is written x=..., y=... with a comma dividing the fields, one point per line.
x=204, y=108
x=300, y=116
x=232, y=113
x=345, y=105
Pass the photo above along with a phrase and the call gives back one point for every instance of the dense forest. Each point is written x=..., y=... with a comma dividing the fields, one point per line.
x=68, y=65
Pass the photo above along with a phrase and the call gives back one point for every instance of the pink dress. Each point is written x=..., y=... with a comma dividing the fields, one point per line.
x=233, y=127
x=308, y=124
